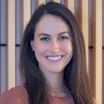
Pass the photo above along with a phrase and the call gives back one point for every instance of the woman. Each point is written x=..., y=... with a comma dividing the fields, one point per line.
x=52, y=60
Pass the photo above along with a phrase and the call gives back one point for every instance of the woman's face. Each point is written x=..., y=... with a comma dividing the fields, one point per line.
x=52, y=44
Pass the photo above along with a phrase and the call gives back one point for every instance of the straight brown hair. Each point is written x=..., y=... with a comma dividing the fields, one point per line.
x=75, y=73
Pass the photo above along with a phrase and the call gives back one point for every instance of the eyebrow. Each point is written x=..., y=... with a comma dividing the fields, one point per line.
x=45, y=34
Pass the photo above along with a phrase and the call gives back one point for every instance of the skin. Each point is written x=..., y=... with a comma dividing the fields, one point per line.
x=53, y=39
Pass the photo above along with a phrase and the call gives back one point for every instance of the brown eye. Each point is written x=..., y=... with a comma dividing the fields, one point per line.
x=63, y=37
x=44, y=39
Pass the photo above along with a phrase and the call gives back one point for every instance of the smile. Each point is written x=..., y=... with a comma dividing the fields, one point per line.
x=55, y=58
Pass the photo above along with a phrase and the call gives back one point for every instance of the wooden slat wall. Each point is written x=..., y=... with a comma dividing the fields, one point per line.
x=85, y=23
x=11, y=43
x=98, y=52
x=18, y=36
x=41, y=2
x=3, y=63
x=57, y=1
x=26, y=11
x=14, y=15
x=71, y=5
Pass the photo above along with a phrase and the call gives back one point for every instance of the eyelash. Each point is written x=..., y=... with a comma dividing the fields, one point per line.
x=64, y=37
x=60, y=38
x=44, y=39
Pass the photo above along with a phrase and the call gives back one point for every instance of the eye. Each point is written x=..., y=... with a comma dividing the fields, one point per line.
x=63, y=37
x=44, y=38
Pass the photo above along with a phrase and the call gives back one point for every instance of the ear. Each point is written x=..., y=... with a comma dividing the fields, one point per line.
x=32, y=44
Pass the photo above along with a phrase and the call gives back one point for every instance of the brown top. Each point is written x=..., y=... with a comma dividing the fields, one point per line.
x=18, y=95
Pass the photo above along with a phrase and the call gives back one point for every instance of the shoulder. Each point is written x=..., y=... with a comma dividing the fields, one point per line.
x=16, y=95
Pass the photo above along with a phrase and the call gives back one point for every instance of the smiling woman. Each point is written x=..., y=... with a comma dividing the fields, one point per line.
x=52, y=60
x=53, y=49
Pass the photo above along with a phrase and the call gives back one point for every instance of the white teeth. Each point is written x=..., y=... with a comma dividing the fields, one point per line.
x=54, y=58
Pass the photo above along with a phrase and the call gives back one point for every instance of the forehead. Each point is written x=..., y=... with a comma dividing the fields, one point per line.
x=51, y=24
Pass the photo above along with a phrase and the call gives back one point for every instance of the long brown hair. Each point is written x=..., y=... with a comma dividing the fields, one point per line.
x=75, y=73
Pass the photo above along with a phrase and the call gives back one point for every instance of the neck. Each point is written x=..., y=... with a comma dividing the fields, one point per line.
x=55, y=83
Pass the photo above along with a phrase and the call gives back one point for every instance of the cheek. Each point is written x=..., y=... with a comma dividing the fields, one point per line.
x=68, y=48
x=69, y=52
x=39, y=48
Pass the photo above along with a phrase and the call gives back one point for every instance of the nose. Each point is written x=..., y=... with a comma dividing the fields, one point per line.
x=55, y=47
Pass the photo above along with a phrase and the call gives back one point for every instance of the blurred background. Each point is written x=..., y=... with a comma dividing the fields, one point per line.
x=14, y=15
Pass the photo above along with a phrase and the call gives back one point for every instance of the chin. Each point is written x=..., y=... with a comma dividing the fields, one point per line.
x=55, y=71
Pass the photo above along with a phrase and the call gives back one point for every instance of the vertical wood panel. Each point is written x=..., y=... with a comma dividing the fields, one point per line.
x=85, y=23
x=18, y=36
x=33, y=6
x=40, y=2
x=3, y=55
x=26, y=12
x=99, y=51
x=3, y=69
x=78, y=12
x=103, y=77
x=103, y=52
x=93, y=29
x=0, y=47
x=57, y=1
x=71, y=5
x=18, y=23
x=11, y=43
x=18, y=77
